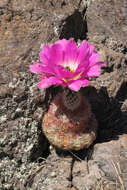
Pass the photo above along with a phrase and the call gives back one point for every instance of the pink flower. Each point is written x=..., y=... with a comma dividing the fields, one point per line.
x=63, y=63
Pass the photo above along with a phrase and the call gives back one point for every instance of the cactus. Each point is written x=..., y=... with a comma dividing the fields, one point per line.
x=69, y=123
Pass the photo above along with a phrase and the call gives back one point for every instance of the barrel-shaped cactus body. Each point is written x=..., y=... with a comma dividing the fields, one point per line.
x=68, y=126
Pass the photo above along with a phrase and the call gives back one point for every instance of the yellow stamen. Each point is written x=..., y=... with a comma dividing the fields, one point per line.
x=74, y=78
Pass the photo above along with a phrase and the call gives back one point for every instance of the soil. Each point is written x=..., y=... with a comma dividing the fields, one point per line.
x=27, y=161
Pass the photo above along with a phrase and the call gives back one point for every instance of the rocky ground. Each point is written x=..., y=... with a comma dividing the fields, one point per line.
x=26, y=159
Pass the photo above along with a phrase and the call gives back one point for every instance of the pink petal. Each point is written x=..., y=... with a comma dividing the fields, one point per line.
x=36, y=68
x=44, y=54
x=101, y=64
x=61, y=72
x=56, y=54
x=85, y=50
x=63, y=43
x=77, y=84
x=91, y=48
x=82, y=67
x=94, y=58
x=40, y=69
x=82, y=51
x=51, y=54
x=69, y=50
x=86, y=64
x=47, y=82
x=83, y=57
x=94, y=71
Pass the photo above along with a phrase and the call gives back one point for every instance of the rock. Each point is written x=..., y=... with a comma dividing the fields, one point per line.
x=107, y=28
x=3, y=3
x=4, y=91
x=54, y=174
x=106, y=167
x=124, y=106
x=107, y=20
x=24, y=27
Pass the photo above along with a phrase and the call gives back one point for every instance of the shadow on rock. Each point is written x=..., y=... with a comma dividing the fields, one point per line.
x=112, y=121
x=40, y=151
x=74, y=26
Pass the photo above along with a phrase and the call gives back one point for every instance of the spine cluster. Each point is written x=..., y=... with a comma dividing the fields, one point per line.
x=71, y=99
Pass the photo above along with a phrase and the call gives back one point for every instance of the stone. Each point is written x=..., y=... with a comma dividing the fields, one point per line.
x=106, y=20
x=3, y=3
x=105, y=167
x=59, y=168
x=24, y=26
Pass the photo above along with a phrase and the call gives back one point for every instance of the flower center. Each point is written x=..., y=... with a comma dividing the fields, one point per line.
x=69, y=69
x=70, y=66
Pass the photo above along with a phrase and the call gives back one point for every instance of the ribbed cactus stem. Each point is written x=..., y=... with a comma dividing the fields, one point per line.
x=71, y=99
x=69, y=123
